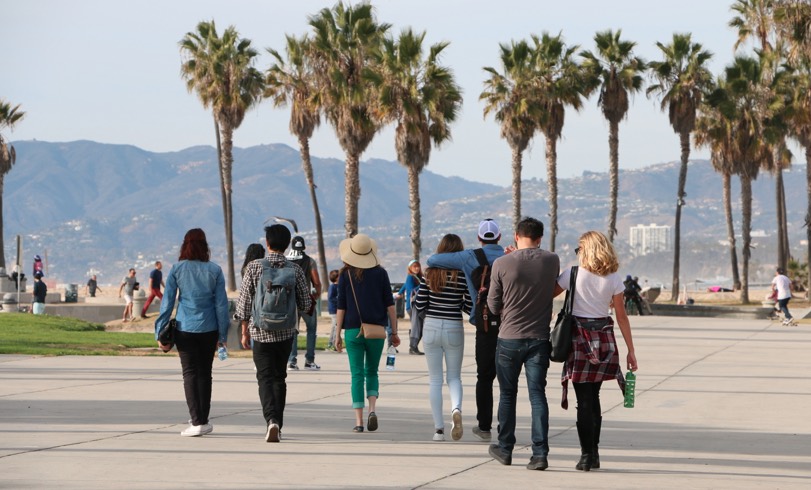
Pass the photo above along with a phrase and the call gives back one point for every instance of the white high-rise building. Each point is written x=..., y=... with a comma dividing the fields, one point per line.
x=650, y=239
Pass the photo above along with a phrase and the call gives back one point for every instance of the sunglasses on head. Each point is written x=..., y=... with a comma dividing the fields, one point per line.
x=577, y=250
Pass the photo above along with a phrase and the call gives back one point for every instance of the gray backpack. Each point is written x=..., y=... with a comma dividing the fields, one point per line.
x=274, y=306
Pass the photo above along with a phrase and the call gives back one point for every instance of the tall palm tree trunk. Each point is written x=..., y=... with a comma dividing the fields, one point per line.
x=684, y=140
x=219, y=164
x=786, y=243
x=351, y=193
x=733, y=253
x=307, y=165
x=516, y=185
x=2, y=231
x=614, y=176
x=808, y=211
x=552, y=186
x=782, y=259
x=226, y=167
x=746, y=211
x=414, y=206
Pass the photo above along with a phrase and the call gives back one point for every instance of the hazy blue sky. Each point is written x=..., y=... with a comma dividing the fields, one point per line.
x=109, y=71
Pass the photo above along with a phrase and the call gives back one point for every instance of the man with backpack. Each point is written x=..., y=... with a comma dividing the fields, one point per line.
x=308, y=265
x=476, y=265
x=273, y=292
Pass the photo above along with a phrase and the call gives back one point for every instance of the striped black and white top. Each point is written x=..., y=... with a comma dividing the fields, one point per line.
x=447, y=305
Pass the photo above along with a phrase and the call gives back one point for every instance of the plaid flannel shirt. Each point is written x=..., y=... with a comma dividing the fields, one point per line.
x=250, y=281
x=588, y=365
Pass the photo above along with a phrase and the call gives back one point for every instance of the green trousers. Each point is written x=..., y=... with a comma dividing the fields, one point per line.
x=364, y=358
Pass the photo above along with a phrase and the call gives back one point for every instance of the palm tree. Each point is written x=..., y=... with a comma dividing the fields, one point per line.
x=512, y=97
x=220, y=70
x=343, y=41
x=754, y=19
x=680, y=80
x=747, y=99
x=423, y=99
x=9, y=117
x=292, y=83
x=561, y=82
x=714, y=131
x=617, y=71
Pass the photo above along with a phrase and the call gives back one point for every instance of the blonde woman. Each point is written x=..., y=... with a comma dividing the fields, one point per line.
x=595, y=356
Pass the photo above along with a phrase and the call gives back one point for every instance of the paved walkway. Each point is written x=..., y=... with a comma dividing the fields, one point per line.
x=721, y=404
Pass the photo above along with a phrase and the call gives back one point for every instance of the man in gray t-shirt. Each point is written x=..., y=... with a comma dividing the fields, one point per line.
x=127, y=286
x=522, y=286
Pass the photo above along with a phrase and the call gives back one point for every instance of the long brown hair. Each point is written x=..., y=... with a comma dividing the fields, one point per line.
x=195, y=246
x=437, y=278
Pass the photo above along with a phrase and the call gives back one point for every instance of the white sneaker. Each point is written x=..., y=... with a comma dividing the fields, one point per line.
x=196, y=430
x=207, y=429
x=456, y=430
x=273, y=434
x=439, y=436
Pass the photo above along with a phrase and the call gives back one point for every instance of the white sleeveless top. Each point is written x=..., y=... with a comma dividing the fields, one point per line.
x=593, y=293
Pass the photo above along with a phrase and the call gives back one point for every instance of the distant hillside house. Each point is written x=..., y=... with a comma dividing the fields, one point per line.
x=650, y=239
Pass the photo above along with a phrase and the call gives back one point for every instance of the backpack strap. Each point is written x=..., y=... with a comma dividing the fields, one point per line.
x=485, y=265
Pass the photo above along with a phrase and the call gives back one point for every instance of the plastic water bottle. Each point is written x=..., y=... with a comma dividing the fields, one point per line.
x=390, y=357
x=630, y=386
x=222, y=353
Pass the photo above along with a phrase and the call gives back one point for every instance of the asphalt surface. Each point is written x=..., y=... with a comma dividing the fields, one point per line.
x=720, y=404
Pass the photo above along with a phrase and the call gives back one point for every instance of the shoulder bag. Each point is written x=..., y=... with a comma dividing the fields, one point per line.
x=368, y=330
x=563, y=332
x=166, y=335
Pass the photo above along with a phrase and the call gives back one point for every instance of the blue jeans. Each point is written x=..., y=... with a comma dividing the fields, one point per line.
x=783, y=304
x=443, y=339
x=311, y=323
x=511, y=355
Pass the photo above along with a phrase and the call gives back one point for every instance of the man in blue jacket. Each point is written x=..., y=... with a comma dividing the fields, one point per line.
x=486, y=340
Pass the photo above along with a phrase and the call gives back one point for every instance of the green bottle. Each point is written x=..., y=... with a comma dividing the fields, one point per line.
x=630, y=386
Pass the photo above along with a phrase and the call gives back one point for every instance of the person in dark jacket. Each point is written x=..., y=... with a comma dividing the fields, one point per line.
x=40, y=291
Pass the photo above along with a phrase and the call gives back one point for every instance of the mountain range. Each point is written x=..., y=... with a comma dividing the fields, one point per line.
x=98, y=207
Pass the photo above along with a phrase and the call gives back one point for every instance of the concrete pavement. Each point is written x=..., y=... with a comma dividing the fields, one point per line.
x=720, y=404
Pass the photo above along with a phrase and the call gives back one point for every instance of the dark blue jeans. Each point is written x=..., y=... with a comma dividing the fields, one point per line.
x=783, y=304
x=511, y=356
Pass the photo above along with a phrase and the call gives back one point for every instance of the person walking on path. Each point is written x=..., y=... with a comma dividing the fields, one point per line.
x=271, y=347
x=155, y=284
x=594, y=357
x=408, y=290
x=40, y=292
x=332, y=305
x=443, y=297
x=310, y=268
x=467, y=261
x=92, y=287
x=202, y=320
x=521, y=291
x=128, y=285
x=782, y=285
x=364, y=296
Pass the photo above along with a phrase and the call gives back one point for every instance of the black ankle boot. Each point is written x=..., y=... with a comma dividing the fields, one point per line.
x=595, y=453
x=585, y=462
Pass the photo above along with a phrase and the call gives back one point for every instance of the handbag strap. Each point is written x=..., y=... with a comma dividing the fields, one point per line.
x=349, y=275
x=569, y=301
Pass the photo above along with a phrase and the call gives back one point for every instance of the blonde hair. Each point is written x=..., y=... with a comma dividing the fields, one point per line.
x=596, y=254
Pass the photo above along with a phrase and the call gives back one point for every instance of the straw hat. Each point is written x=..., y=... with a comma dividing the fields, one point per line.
x=359, y=251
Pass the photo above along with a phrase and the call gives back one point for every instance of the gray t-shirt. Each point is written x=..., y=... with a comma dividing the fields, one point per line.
x=522, y=285
x=129, y=285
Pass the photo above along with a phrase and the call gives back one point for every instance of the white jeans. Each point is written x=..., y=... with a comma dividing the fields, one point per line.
x=443, y=339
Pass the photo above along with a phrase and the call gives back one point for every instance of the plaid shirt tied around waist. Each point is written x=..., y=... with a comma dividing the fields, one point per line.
x=594, y=356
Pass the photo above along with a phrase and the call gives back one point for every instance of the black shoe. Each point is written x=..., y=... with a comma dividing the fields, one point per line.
x=538, y=463
x=585, y=463
x=499, y=455
x=415, y=351
x=371, y=423
x=595, y=460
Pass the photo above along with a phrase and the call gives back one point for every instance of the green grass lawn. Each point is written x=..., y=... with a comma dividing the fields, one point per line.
x=46, y=335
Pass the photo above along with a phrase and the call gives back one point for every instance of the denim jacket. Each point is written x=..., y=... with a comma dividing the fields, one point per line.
x=202, y=305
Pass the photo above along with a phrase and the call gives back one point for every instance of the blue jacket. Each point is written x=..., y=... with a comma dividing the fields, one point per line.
x=410, y=287
x=332, y=298
x=466, y=262
x=202, y=304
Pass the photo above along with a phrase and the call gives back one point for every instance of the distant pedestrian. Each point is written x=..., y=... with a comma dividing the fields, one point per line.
x=443, y=296
x=781, y=285
x=364, y=295
x=308, y=265
x=253, y=252
x=38, y=268
x=408, y=291
x=128, y=286
x=155, y=284
x=202, y=322
x=332, y=305
x=40, y=291
x=92, y=287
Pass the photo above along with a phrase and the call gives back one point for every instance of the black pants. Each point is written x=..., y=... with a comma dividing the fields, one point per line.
x=196, y=358
x=270, y=359
x=486, y=343
x=588, y=412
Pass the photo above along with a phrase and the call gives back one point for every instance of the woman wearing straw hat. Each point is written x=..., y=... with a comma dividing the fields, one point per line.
x=364, y=296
